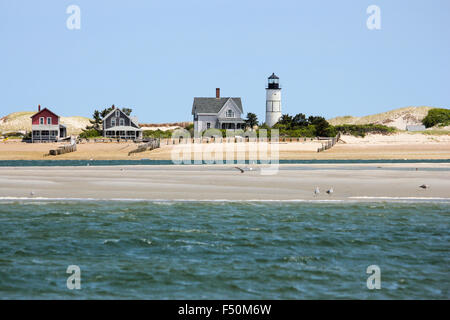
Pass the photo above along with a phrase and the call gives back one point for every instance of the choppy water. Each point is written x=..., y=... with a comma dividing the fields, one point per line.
x=213, y=250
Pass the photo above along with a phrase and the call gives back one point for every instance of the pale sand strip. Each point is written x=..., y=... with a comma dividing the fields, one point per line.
x=292, y=182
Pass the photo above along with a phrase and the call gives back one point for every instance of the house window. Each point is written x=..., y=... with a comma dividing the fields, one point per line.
x=121, y=122
x=49, y=120
x=208, y=125
x=117, y=113
x=230, y=113
x=41, y=120
x=113, y=122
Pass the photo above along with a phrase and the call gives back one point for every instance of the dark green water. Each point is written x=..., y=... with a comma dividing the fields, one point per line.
x=214, y=250
x=63, y=163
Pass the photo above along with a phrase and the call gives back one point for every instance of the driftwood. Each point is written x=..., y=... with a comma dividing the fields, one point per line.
x=63, y=149
x=152, y=144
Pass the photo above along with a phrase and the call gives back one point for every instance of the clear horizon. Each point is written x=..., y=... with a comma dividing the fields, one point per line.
x=156, y=56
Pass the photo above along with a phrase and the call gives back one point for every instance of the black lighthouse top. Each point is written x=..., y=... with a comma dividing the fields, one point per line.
x=274, y=82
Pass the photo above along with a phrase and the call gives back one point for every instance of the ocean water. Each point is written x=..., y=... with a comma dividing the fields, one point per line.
x=224, y=250
x=64, y=163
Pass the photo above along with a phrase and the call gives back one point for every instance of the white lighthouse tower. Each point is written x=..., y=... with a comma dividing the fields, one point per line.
x=273, y=100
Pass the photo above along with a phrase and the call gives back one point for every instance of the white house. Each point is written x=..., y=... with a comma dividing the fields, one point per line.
x=218, y=113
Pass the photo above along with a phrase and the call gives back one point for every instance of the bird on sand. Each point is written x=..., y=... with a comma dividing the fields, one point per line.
x=330, y=191
x=241, y=170
x=424, y=186
x=32, y=193
x=316, y=190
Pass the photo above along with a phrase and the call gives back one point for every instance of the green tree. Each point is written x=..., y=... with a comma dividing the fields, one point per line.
x=96, y=122
x=105, y=112
x=286, y=120
x=127, y=111
x=299, y=120
x=320, y=124
x=252, y=120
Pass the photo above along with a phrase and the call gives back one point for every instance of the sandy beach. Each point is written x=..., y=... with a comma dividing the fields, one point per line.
x=396, y=146
x=221, y=182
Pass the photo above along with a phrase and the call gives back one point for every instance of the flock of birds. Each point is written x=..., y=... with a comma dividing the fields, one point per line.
x=316, y=190
x=331, y=190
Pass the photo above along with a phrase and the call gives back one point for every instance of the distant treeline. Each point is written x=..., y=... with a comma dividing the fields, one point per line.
x=298, y=126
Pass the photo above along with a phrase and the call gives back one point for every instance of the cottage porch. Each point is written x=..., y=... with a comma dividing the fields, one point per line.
x=231, y=124
x=128, y=133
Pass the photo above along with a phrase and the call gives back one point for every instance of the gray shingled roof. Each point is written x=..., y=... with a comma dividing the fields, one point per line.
x=212, y=105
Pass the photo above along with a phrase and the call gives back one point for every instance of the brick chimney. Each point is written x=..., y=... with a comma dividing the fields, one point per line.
x=113, y=107
x=39, y=107
x=217, y=93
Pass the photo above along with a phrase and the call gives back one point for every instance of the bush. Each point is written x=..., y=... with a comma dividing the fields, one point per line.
x=360, y=130
x=157, y=134
x=90, y=133
x=439, y=117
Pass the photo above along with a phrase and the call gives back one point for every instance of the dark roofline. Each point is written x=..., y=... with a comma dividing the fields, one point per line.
x=42, y=110
x=273, y=76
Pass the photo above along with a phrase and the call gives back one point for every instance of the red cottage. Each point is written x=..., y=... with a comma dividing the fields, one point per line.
x=45, y=126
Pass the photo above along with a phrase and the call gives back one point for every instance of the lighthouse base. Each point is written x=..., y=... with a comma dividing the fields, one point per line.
x=272, y=118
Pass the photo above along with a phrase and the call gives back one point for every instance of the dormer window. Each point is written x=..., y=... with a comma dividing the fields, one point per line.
x=49, y=120
x=230, y=113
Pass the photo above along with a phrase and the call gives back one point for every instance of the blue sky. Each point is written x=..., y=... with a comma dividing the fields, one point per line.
x=156, y=56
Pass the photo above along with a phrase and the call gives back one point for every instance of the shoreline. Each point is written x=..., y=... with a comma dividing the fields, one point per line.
x=266, y=201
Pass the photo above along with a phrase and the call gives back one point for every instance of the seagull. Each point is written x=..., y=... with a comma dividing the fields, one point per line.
x=330, y=191
x=32, y=193
x=241, y=170
x=424, y=186
x=316, y=191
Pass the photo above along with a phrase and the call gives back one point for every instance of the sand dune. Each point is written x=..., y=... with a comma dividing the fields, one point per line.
x=20, y=122
x=398, y=118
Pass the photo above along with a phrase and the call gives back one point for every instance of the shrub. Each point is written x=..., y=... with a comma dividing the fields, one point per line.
x=157, y=134
x=437, y=117
x=14, y=135
x=360, y=130
x=90, y=133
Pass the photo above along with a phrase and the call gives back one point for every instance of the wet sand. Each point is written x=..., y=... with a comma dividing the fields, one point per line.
x=222, y=182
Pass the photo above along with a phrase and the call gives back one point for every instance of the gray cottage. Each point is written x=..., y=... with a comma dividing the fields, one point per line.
x=217, y=113
x=117, y=124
